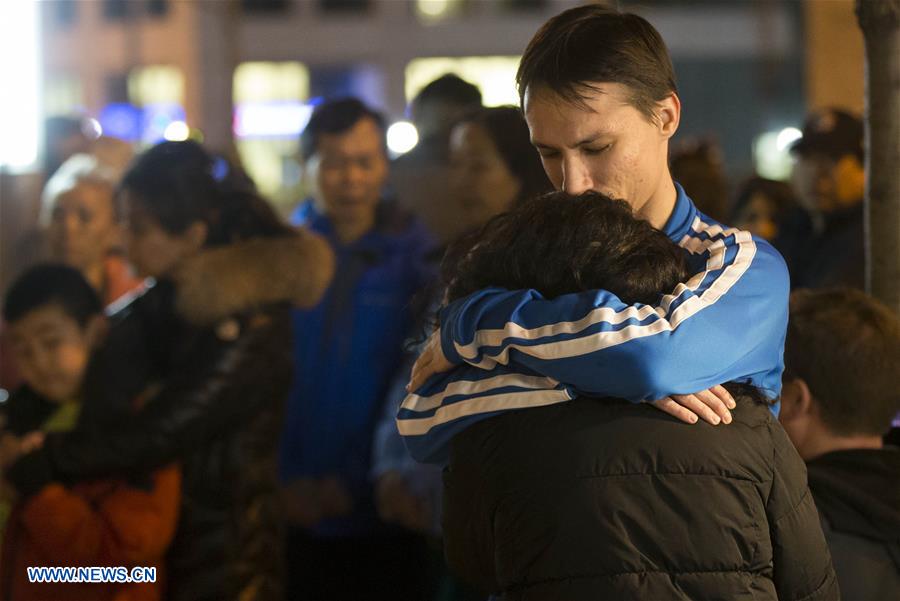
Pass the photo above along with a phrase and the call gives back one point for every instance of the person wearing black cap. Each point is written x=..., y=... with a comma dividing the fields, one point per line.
x=823, y=242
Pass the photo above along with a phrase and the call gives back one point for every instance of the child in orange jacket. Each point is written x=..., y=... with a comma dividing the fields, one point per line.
x=55, y=319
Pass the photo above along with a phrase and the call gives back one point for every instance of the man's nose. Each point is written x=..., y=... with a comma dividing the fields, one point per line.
x=576, y=178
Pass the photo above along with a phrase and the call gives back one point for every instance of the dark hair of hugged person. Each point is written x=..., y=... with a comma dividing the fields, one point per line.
x=560, y=244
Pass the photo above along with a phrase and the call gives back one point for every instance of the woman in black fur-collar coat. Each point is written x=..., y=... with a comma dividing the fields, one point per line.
x=206, y=349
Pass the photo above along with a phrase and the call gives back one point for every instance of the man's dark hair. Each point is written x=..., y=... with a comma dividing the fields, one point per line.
x=450, y=89
x=336, y=117
x=560, y=244
x=592, y=44
x=846, y=346
x=52, y=284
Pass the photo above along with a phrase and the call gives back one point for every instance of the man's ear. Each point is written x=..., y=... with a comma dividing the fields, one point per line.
x=668, y=115
x=796, y=399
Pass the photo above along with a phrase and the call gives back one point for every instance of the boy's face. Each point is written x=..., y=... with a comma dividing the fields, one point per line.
x=51, y=350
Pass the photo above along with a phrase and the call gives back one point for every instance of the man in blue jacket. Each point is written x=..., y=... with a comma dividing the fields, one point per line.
x=346, y=349
x=598, y=91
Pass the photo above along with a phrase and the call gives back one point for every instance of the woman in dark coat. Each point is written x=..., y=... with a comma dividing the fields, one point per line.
x=604, y=499
x=207, y=347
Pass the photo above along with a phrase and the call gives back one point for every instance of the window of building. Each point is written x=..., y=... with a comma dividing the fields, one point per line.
x=63, y=94
x=271, y=109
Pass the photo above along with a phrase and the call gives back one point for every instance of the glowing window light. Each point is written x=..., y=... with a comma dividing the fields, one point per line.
x=177, y=131
x=402, y=137
x=271, y=119
x=20, y=118
x=495, y=76
x=63, y=94
x=270, y=81
x=156, y=84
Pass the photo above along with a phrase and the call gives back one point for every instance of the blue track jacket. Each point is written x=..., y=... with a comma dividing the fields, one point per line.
x=516, y=349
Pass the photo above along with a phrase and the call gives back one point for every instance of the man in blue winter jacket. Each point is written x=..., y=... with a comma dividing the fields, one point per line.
x=598, y=91
x=346, y=349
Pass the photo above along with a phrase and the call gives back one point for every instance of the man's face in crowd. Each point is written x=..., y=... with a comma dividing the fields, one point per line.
x=349, y=171
x=51, y=350
x=825, y=184
x=604, y=144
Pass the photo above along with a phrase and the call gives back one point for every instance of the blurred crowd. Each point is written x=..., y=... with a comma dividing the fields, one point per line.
x=200, y=385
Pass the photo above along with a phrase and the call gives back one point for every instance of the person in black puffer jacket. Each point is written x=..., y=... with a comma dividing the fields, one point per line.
x=207, y=348
x=603, y=499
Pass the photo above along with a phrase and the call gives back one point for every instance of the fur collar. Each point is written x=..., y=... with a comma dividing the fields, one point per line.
x=220, y=282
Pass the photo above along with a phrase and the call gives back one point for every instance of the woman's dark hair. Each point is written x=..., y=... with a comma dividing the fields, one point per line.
x=180, y=183
x=781, y=195
x=52, y=284
x=560, y=244
x=593, y=44
x=508, y=131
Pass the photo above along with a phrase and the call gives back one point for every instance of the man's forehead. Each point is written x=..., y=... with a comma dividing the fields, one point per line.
x=364, y=134
x=552, y=118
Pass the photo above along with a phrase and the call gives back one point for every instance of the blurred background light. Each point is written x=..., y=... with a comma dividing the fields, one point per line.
x=93, y=129
x=771, y=153
x=158, y=117
x=432, y=11
x=402, y=137
x=786, y=137
x=156, y=84
x=177, y=131
x=121, y=120
x=20, y=106
x=495, y=76
x=277, y=119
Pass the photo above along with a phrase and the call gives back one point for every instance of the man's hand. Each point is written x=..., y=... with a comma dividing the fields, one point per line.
x=712, y=405
x=431, y=361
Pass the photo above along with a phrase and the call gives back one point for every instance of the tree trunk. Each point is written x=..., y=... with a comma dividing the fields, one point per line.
x=880, y=24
